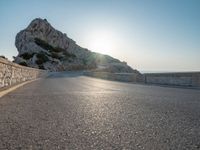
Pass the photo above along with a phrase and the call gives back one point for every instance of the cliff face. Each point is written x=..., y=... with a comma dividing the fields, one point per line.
x=42, y=46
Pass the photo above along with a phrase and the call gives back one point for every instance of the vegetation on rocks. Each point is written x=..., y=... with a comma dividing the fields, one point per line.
x=1, y=56
x=41, y=58
x=47, y=46
x=42, y=46
x=27, y=55
x=23, y=63
x=41, y=67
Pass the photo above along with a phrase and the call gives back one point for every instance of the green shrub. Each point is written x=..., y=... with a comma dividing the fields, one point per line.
x=1, y=56
x=56, y=55
x=26, y=55
x=43, y=44
x=41, y=58
x=39, y=62
x=57, y=49
x=47, y=46
x=41, y=67
x=67, y=54
x=23, y=63
x=53, y=50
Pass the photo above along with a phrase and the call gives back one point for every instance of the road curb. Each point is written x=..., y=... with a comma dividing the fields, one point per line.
x=6, y=91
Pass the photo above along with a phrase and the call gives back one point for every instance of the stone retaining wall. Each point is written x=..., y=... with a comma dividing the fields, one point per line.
x=187, y=79
x=11, y=73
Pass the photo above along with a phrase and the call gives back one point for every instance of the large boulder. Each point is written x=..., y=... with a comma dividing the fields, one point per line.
x=42, y=46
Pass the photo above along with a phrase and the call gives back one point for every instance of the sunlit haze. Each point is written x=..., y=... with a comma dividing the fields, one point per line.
x=158, y=35
x=101, y=41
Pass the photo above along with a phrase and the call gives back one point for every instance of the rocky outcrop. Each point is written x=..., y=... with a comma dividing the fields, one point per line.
x=42, y=46
x=11, y=73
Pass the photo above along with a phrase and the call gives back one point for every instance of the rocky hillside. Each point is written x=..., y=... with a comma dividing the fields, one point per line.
x=42, y=46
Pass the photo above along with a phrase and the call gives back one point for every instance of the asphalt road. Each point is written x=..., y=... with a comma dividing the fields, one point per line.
x=70, y=111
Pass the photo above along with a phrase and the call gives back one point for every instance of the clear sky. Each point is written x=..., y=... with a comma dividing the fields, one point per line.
x=150, y=35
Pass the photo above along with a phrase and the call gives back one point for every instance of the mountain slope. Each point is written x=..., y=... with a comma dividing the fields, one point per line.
x=42, y=46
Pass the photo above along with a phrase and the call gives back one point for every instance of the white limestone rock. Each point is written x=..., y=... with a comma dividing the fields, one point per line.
x=42, y=46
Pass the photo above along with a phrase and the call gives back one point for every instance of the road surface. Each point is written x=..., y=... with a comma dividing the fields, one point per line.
x=70, y=111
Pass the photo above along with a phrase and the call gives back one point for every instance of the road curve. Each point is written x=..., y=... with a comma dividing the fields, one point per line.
x=71, y=111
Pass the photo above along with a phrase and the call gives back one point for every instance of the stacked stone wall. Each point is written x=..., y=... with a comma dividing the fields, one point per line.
x=188, y=79
x=11, y=73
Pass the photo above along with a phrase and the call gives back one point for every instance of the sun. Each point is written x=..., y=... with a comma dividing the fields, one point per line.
x=102, y=42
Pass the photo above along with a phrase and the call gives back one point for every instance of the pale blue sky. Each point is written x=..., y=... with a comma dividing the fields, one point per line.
x=151, y=35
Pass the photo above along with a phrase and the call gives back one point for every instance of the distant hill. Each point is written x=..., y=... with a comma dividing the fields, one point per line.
x=42, y=46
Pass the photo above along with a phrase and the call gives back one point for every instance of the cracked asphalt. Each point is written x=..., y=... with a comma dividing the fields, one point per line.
x=70, y=111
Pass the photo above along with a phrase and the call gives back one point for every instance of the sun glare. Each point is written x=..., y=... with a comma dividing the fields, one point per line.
x=102, y=42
